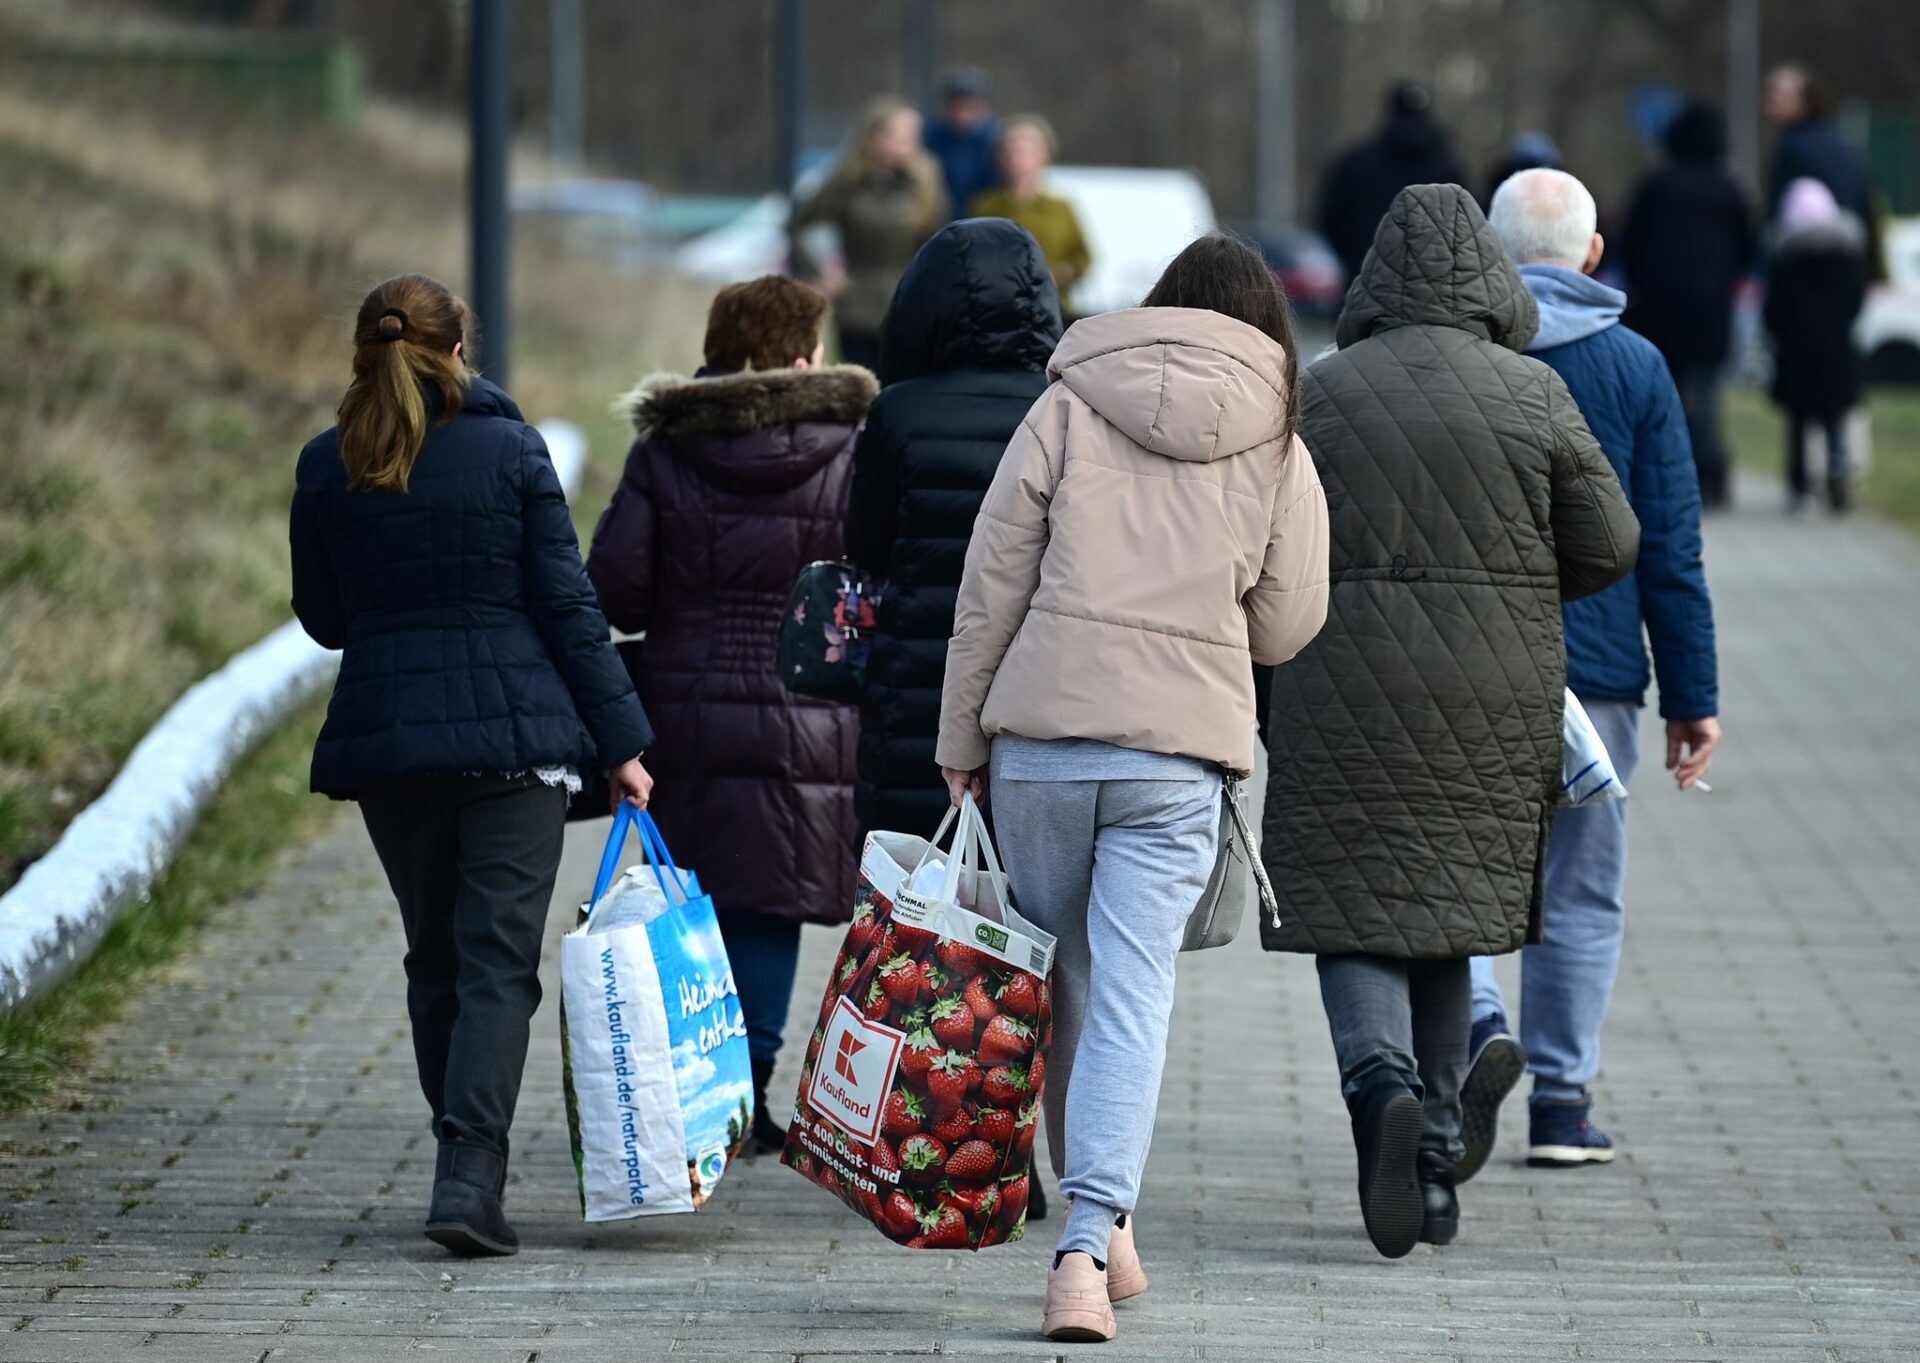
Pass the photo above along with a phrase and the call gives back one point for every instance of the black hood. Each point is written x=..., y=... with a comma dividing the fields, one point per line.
x=1697, y=136
x=978, y=296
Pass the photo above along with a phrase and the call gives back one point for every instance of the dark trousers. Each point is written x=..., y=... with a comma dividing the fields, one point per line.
x=472, y=860
x=1411, y=1018
x=1699, y=387
x=764, y=953
x=1798, y=425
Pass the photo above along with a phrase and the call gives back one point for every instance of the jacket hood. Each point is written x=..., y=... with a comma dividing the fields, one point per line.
x=1841, y=235
x=1182, y=382
x=978, y=296
x=1573, y=306
x=1436, y=262
x=757, y=431
x=1411, y=135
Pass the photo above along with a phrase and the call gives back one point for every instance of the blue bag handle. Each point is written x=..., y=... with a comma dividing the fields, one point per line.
x=654, y=847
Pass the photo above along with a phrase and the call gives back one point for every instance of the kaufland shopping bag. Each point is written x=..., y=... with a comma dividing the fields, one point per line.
x=920, y=1095
x=659, y=1086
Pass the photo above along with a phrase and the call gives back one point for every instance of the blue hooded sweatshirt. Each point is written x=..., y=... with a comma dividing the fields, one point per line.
x=1623, y=389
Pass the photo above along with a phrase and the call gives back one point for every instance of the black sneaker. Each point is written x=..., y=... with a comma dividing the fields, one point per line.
x=1562, y=1135
x=1498, y=1063
x=1387, y=1120
x=466, y=1216
x=1437, y=1179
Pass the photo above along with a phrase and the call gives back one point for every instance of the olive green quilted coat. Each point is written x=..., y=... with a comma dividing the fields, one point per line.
x=1416, y=741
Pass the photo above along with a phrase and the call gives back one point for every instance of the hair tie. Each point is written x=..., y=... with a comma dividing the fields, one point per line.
x=395, y=334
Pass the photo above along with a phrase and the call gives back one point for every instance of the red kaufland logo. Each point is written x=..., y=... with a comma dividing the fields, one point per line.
x=854, y=1097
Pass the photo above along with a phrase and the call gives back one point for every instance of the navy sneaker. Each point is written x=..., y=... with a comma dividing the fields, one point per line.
x=1562, y=1136
x=1498, y=1063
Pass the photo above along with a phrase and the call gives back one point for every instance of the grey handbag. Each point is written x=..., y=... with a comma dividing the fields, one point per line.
x=1238, y=876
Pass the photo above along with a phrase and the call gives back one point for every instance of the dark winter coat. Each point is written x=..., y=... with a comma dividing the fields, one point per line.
x=1417, y=745
x=1689, y=241
x=1629, y=401
x=1816, y=149
x=471, y=638
x=965, y=357
x=1410, y=150
x=1816, y=284
x=735, y=483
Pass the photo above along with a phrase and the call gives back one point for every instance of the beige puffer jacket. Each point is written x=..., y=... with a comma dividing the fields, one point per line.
x=1148, y=538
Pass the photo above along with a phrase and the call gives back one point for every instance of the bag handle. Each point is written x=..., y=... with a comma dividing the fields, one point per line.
x=652, y=846
x=1230, y=792
x=933, y=843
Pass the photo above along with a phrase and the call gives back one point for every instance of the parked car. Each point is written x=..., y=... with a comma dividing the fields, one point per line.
x=1888, y=332
x=1314, y=278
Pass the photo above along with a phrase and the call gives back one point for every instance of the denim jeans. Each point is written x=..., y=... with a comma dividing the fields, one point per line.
x=1799, y=424
x=764, y=953
x=1699, y=387
x=1566, y=979
x=1411, y=1018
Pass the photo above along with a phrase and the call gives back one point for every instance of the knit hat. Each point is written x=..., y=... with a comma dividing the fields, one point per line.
x=1807, y=203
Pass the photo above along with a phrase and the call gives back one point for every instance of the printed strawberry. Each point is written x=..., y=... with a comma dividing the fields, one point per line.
x=901, y=977
x=979, y=997
x=1006, y=1039
x=953, y=1023
x=900, y=1214
x=877, y=1003
x=949, y=1081
x=904, y=1114
x=849, y=967
x=963, y=959
x=1021, y=995
x=864, y=927
x=872, y=1205
x=954, y=1125
x=922, y=1160
x=814, y=1043
x=995, y=1124
x=981, y=1200
x=945, y=1227
x=919, y=1052
x=990, y=1236
x=884, y=1164
x=1026, y=1127
x=940, y=980
x=1037, y=1073
x=973, y=1162
x=910, y=938
x=1013, y=1198
x=1005, y=1085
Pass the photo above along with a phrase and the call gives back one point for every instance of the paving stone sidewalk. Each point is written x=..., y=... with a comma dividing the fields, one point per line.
x=245, y=1176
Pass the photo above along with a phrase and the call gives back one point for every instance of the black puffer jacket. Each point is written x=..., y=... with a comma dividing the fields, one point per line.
x=964, y=357
x=473, y=641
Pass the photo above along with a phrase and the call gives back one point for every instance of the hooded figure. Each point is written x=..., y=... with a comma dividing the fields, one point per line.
x=964, y=355
x=1417, y=741
x=1411, y=149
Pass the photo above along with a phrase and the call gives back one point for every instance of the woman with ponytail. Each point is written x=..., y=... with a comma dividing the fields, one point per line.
x=433, y=546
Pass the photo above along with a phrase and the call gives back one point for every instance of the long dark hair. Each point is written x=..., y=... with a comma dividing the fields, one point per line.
x=1225, y=273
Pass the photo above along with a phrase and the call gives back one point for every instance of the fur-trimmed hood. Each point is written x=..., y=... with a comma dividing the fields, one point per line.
x=757, y=431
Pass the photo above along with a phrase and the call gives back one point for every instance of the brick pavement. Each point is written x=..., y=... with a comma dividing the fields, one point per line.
x=244, y=1177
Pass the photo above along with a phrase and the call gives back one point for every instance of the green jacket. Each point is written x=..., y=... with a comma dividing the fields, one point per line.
x=883, y=220
x=1054, y=225
x=1416, y=740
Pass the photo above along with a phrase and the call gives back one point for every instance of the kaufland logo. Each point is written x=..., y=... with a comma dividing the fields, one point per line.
x=852, y=1092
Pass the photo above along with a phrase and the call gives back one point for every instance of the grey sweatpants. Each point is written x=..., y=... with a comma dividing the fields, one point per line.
x=1113, y=869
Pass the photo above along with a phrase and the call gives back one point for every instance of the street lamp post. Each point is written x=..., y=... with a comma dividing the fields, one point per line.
x=487, y=100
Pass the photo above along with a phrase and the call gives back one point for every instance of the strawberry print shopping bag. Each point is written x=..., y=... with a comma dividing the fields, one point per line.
x=920, y=1096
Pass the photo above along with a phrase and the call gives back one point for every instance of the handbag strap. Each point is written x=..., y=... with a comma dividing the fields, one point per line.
x=1242, y=830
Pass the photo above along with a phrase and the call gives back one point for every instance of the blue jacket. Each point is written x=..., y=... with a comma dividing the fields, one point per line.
x=969, y=161
x=1627, y=396
x=472, y=639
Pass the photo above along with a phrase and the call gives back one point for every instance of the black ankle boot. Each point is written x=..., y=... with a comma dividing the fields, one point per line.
x=465, y=1215
x=1387, y=1119
x=1442, y=1221
x=767, y=1136
x=1036, y=1198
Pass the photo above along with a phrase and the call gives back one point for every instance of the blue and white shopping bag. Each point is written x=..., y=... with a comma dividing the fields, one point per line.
x=659, y=1084
x=1587, y=776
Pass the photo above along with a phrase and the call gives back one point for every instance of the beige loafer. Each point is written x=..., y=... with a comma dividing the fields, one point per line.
x=1125, y=1277
x=1078, y=1311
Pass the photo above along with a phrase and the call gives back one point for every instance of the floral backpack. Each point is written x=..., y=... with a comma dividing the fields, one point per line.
x=826, y=631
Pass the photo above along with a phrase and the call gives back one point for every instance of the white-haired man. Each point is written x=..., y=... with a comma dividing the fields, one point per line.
x=1547, y=220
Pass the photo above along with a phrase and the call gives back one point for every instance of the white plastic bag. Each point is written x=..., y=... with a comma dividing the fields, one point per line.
x=1586, y=769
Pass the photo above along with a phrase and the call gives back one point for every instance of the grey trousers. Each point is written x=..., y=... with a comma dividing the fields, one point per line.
x=1410, y=1018
x=1113, y=869
x=472, y=860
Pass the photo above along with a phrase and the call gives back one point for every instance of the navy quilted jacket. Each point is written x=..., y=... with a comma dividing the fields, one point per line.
x=1623, y=389
x=472, y=639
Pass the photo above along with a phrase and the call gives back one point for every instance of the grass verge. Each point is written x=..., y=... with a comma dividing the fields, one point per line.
x=262, y=808
x=1756, y=432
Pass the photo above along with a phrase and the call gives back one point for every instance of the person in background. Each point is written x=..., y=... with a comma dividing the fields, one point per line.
x=1816, y=285
x=1548, y=220
x=432, y=544
x=1027, y=148
x=964, y=138
x=1689, y=241
x=737, y=480
x=884, y=198
x=1162, y=455
x=1410, y=149
x=1417, y=740
x=1811, y=144
x=1526, y=151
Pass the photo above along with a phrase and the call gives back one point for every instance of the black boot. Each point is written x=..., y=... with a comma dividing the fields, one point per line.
x=1036, y=1198
x=767, y=1136
x=1442, y=1202
x=466, y=1215
x=1387, y=1120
